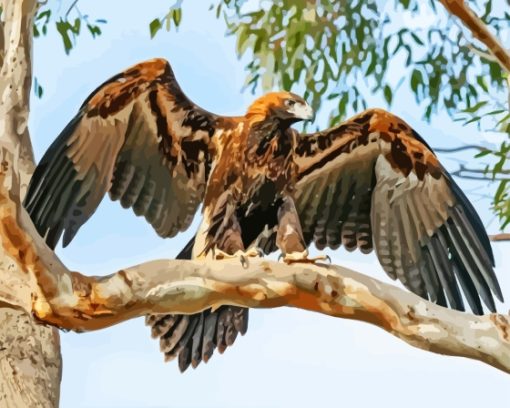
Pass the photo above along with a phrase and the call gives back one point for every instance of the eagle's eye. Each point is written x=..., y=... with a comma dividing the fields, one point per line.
x=290, y=102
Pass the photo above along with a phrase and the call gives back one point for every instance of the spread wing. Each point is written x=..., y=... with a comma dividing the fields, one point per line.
x=373, y=182
x=139, y=138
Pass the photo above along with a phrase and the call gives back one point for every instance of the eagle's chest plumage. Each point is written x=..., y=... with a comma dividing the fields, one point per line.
x=255, y=166
x=268, y=166
x=254, y=171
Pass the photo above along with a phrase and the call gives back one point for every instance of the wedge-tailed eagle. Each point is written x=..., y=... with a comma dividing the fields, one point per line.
x=369, y=182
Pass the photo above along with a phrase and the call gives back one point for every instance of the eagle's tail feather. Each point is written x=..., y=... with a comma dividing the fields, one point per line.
x=193, y=338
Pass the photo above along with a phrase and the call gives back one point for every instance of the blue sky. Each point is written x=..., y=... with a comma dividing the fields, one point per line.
x=288, y=357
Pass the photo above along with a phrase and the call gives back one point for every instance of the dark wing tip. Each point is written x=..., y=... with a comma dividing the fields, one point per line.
x=471, y=228
x=52, y=187
x=451, y=258
x=469, y=254
x=473, y=218
x=456, y=261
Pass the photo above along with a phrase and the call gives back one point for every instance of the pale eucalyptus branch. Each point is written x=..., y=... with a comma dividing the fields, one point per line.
x=73, y=301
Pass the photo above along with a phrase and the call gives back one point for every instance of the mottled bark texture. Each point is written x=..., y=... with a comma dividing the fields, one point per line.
x=30, y=363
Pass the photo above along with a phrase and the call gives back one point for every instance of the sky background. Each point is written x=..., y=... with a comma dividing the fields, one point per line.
x=289, y=358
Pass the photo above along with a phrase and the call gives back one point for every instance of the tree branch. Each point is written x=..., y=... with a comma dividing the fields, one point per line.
x=461, y=9
x=500, y=237
x=480, y=53
x=85, y=303
x=73, y=301
x=459, y=149
x=479, y=174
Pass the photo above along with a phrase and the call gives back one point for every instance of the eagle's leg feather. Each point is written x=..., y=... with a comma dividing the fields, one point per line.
x=289, y=235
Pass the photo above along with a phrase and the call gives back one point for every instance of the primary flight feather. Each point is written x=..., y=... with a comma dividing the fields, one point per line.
x=370, y=182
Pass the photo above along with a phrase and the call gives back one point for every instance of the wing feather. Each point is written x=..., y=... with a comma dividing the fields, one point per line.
x=137, y=137
x=372, y=181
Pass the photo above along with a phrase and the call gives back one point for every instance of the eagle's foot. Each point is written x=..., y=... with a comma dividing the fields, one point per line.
x=241, y=255
x=302, y=257
x=252, y=252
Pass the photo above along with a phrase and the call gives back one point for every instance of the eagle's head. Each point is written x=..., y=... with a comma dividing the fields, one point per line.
x=285, y=107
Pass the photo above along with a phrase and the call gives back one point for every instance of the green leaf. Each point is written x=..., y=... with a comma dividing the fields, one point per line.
x=155, y=26
x=416, y=39
x=416, y=80
x=483, y=153
x=475, y=107
x=75, y=28
x=242, y=39
x=495, y=112
x=38, y=89
x=94, y=30
x=480, y=80
x=405, y=3
x=473, y=119
x=177, y=16
x=501, y=190
x=44, y=14
x=388, y=94
x=63, y=27
x=504, y=119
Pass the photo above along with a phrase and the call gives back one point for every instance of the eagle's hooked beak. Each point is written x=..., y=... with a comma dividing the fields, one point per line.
x=303, y=111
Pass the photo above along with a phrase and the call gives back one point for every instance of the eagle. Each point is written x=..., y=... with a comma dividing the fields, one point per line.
x=370, y=182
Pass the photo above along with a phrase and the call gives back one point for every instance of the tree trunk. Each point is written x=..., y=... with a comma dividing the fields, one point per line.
x=30, y=361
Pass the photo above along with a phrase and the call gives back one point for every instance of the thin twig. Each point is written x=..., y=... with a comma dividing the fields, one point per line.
x=460, y=172
x=483, y=171
x=73, y=5
x=481, y=53
x=504, y=236
x=459, y=149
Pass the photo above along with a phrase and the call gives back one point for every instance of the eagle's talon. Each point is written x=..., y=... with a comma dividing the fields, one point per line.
x=253, y=252
x=244, y=261
x=243, y=256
